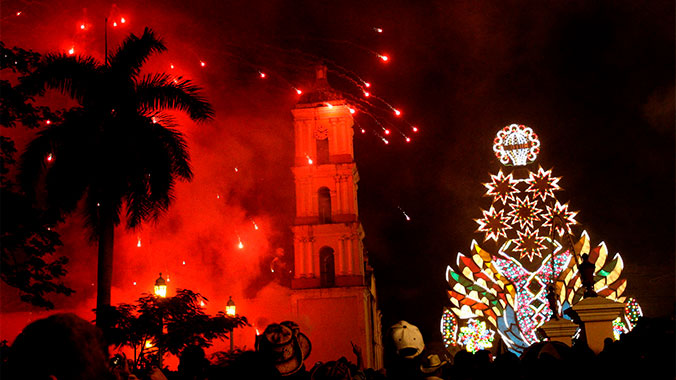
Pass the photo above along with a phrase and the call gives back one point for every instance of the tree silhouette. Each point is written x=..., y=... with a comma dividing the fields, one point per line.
x=118, y=151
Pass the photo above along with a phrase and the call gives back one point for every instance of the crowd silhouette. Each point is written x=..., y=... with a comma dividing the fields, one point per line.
x=66, y=347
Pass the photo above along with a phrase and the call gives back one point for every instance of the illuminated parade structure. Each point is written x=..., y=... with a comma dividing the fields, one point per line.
x=528, y=259
x=333, y=288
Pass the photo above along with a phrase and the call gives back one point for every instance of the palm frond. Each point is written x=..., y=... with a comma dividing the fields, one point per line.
x=157, y=92
x=134, y=52
x=75, y=76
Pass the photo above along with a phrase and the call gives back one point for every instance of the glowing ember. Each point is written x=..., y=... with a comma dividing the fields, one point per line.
x=397, y=112
x=48, y=122
x=387, y=131
x=414, y=129
x=18, y=13
x=138, y=243
x=329, y=105
x=367, y=94
x=202, y=63
x=50, y=157
x=236, y=170
x=298, y=91
x=183, y=262
x=171, y=66
x=363, y=130
x=71, y=51
x=309, y=160
x=82, y=26
x=122, y=20
x=378, y=30
x=262, y=74
x=114, y=24
x=383, y=57
x=352, y=111
x=240, y=245
x=367, y=84
x=134, y=283
x=408, y=139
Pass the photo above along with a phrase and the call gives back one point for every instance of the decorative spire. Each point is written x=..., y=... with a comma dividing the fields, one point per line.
x=321, y=89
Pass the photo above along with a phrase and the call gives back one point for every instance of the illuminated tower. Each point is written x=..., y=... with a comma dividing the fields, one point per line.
x=334, y=295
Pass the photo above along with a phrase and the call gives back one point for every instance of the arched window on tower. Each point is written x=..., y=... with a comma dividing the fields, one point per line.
x=327, y=270
x=324, y=199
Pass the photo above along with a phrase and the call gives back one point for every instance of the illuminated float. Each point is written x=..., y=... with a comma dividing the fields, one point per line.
x=528, y=250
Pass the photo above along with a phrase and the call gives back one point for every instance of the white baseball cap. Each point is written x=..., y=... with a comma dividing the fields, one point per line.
x=407, y=339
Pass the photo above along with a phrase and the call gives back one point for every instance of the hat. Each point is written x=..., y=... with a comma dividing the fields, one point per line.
x=285, y=345
x=432, y=363
x=407, y=339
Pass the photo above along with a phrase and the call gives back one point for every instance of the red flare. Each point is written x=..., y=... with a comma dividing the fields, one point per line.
x=48, y=122
x=18, y=13
x=352, y=111
x=262, y=74
x=71, y=51
x=298, y=91
x=82, y=26
x=122, y=20
x=202, y=63
x=415, y=129
x=114, y=24
x=367, y=84
x=171, y=65
x=367, y=94
x=408, y=139
x=397, y=112
x=363, y=130
x=384, y=58
x=387, y=131
x=50, y=157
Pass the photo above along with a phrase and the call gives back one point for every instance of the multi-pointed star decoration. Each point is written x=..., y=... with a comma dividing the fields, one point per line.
x=529, y=244
x=542, y=184
x=524, y=212
x=494, y=224
x=562, y=218
x=501, y=188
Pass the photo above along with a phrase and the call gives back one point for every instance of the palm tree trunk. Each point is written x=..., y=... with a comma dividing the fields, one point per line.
x=105, y=260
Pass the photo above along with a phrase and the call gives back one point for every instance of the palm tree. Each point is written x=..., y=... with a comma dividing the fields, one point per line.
x=118, y=151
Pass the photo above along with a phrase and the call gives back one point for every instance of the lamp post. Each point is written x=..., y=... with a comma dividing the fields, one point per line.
x=161, y=293
x=231, y=311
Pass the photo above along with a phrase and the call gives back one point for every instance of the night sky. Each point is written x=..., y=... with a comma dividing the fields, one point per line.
x=594, y=79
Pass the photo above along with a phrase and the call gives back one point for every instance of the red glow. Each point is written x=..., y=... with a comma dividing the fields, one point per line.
x=82, y=26
x=50, y=157
x=48, y=122
x=71, y=51
x=352, y=111
x=18, y=13
x=387, y=131
x=397, y=112
x=408, y=139
x=262, y=74
x=386, y=142
x=114, y=23
x=202, y=63
x=415, y=129
x=298, y=91
x=384, y=58
x=367, y=94
x=367, y=84
x=379, y=30
x=363, y=130
x=171, y=65
x=122, y=20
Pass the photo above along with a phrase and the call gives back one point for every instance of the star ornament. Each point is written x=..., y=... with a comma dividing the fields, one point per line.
x=542, y=184
x=502, y=188
x=529, y=244
x=494, y=224
x=561, y=218
x=524, y=212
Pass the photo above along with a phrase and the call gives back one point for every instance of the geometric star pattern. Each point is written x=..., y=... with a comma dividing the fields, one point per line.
x=494, y=224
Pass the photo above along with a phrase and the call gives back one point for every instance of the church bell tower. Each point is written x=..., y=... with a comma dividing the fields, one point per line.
x=334, y=293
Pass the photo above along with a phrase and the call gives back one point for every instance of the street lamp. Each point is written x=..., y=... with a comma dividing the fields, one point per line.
x=160, y=292
x=231, y=311
x=160, y=287
x=230, y=308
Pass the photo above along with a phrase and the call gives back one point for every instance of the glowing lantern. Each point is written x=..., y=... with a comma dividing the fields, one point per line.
x=160, y=287
x=230, y=308
x=516, y=145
